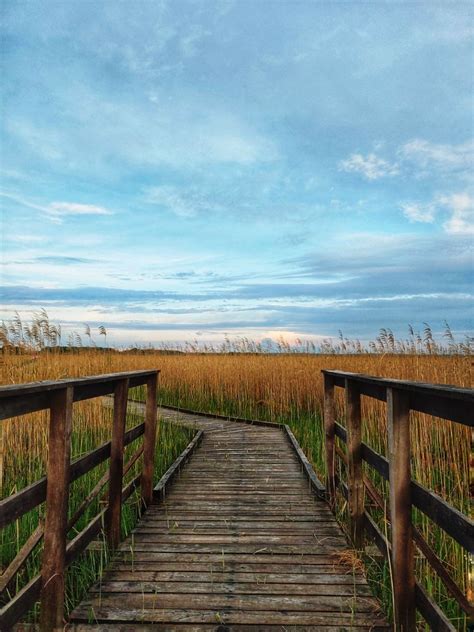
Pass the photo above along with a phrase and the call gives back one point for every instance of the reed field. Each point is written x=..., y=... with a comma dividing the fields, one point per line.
x=243, y=380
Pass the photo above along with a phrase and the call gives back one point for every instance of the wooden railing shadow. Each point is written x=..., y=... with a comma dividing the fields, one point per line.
x=450, y=403
x=58, y=553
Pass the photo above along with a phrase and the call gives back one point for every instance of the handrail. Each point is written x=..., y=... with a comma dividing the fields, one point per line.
x=402, y=396
x=20, y=399
x=59, y=396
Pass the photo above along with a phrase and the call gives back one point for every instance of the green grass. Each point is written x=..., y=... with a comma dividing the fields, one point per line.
x=309, y=431
x=86, y=569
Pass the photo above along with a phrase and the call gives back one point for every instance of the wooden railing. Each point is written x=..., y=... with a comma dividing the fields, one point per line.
x=58, y=552
x=450, y=403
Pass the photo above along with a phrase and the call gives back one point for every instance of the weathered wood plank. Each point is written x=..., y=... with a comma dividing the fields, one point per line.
x=239, y=538
x=224, y=558
x=150, y=603
x=114, y=509
x=149, y=440
x=57, y=494
x=21, y=399
x=229, y=617
x=354, y=459
x=211, y=627
x=448, y=402
x=223, y=575
x=398, y=425
x=228, y=586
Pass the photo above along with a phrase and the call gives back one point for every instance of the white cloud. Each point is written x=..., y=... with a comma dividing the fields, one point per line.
x=372, y=167
x=416, y=212
x=185, y=203
x=59, y=209
x=433, y=156
x=56, y=211
x=461, y=206
x=417, y=157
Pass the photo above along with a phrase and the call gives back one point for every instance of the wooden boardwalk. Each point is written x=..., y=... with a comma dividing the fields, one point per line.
x=239, y=543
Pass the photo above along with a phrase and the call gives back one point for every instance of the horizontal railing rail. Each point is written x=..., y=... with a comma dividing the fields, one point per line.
x=58, y=552
x=447, y=402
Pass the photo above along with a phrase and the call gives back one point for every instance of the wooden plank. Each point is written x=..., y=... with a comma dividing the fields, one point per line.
x=149, y=441
x=149, y=603
x=223, y=539
x=229, y=586
x=211, y=627
x=255, y=549
x=143, y=533
x=18, y=504
x=131, y=487
x=21, y=399
x=247, y=522
x=354, y=471
x=79, y=544
x=114, y=509
x=227, y=616
x=434, y=561
x=226, y=559
x=249, y=513
x=20, y=604
x=447, y=402
x=208, y=415
x=450, y=519
x=329, y=432
x=403, y=582
x=21, y=557
x=229, y=523
x=431, y=612
x=318, y=488
x=232, y=575
x=168, y=476
x=57, y=493
x=229, y=536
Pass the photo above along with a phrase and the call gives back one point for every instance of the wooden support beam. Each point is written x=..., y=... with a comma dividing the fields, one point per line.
x=114, y=510
x=149, y=440
x=354, y=457
x=398, y=423
x=330, y=430
x=57, y=493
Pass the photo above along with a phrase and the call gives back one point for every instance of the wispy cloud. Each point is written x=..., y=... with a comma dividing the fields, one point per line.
x=459, y=206
x=438, y=157
x=417, y=212
x=56, y=211
x=417, y=158
x=183, y=203
x=371, y=166
x=64, y=261
x=62, y=209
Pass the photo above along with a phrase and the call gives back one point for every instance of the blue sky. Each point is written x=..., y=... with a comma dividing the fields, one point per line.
x=174, y=170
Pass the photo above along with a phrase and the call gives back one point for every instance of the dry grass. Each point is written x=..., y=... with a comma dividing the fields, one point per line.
x=280, y=387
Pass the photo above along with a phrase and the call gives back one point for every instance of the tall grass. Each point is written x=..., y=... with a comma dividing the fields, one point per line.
x=23, y=460
x=278, y=387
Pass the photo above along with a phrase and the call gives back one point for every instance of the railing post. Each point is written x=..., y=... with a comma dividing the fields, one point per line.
x=329, y=428
x=114, y=510
x=355, y=482
x=398, y=422
x=149, y=440
x=57, y=494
